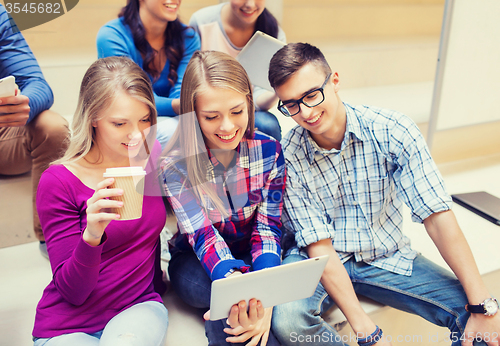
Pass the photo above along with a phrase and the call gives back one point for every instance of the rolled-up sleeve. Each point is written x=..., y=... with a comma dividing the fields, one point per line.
x=418, y=179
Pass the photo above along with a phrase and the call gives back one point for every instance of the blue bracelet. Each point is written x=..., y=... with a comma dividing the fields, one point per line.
x=371, y=339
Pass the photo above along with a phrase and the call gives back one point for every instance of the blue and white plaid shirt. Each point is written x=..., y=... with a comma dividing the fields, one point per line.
x=354, y=195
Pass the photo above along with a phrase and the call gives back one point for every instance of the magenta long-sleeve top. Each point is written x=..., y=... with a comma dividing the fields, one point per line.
x=90, y=285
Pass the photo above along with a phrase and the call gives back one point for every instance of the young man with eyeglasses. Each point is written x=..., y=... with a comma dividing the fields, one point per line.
x=349, y=171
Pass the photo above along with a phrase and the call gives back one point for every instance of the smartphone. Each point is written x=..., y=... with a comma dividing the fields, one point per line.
x=8, y=86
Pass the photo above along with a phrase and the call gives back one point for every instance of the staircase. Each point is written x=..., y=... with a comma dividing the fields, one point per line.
x=385, y=52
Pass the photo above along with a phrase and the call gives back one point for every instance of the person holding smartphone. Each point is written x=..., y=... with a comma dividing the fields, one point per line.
x=31, y=135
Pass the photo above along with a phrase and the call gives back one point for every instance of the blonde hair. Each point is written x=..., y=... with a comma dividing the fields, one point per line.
x=206, y=69
x=104, y=79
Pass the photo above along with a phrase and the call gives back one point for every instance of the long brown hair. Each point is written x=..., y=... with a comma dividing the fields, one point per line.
x=173, y=44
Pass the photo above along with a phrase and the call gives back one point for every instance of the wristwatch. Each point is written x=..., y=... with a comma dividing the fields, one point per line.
x=488, y=307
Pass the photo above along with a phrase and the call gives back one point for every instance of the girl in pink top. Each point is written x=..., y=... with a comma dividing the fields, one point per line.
x=101, y=291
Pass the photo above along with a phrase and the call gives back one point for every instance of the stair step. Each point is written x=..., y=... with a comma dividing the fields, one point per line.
x=342, y=19
x=412, y=99
x=360, y=64
x=365, y=63
x=16, y=223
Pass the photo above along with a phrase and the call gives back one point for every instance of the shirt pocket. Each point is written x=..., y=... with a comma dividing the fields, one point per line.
x=377, y=191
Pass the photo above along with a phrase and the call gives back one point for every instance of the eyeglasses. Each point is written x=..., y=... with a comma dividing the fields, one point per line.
x=311, y=99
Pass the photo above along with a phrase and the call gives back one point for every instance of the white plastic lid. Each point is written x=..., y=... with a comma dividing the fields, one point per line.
x=124, y=172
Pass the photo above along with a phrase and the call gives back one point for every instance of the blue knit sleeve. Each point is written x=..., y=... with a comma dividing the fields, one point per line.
x=115, y=39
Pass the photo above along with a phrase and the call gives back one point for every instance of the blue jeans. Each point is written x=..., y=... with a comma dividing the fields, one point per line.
x=266, y=122
x=144, y=324
x=193, y=286
x=165, y=128
x=430, y=292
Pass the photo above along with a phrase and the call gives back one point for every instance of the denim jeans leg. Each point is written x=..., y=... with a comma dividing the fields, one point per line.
x=189, y=279
x=73, y=339
x=216, y=336
x=266, y=122
x=193, y=286
x=165, y=128
x=300, y=322
x=431, y=292
x=143, y=324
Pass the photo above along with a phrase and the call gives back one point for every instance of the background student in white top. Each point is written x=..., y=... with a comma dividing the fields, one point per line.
x=227, y=28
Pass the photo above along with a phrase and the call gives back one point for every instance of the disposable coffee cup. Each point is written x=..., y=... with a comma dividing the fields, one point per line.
x=131, y=181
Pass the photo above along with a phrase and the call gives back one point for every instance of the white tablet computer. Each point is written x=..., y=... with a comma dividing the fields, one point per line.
x=272, y=286
x=256, y=55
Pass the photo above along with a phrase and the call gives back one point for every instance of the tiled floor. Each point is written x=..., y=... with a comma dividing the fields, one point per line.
x=25, y=273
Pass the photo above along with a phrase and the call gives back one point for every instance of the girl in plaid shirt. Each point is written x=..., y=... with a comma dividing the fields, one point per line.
x=225, y=184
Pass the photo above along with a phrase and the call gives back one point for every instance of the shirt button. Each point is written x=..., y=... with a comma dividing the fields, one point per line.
x=355, y=203
x=348, y=178
x=358, y=229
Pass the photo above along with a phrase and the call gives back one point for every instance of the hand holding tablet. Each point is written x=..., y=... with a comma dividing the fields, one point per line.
x=271, y=286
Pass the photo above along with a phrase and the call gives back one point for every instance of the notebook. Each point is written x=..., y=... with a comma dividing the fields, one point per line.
x=272, y=286
x=255, y=58
x=481, y=203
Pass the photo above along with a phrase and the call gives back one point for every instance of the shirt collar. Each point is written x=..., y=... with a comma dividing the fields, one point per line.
x=353, y=126
x=310, y=145
x=242, y=158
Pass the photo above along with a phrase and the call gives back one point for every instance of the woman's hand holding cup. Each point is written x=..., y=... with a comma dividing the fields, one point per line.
x=98, y=215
